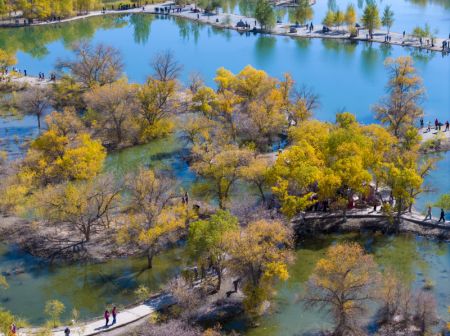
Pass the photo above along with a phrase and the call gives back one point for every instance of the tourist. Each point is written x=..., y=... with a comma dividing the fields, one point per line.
x=106, y=315
x=442, y=217
x=13, y=329
x=421, y=123
x=67, y=331
x=114, y=315
x=447, y=125
x=436, y=124
x=404, y=34
x=25, y=73
x=428, y=216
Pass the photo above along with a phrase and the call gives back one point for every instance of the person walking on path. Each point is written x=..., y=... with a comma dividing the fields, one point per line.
x=114, y=315
x=447, y=126
x=13, y=329
x=428, y=216
x=442, y=217
x=421, y=123
x=67, y=331
x=106, y=315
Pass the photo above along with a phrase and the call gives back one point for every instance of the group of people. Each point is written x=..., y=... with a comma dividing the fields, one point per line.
x=108, y=315
x=5, y=72
x=437, y=125
x=441, y=217
x=42, y=76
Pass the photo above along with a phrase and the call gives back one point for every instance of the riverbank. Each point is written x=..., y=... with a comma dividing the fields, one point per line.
x=234, y=21
x=367, y=219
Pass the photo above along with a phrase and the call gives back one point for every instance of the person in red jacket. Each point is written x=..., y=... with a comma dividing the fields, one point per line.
x=106, y=317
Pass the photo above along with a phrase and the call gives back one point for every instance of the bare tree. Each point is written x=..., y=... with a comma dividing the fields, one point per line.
x=35, y=101
x=86, y=206
x=195, y=82
x=170, y=328
x=425, y=314
x=188, y=299
x=165, y=66
x=308, y=96
x=99, y=64
x=113, y=106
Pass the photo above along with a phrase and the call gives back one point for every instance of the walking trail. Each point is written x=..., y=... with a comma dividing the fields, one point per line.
x=124, y=319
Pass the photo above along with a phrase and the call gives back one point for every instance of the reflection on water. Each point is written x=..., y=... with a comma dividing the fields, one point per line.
x=343, y=73
x=164, y=155
x=141, y=24
x=415, y=259
x=86, y=287
x=408, y=13
x=90, y=288
x=36, y=40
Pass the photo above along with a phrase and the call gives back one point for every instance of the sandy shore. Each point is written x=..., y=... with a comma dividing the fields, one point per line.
x=229, y=21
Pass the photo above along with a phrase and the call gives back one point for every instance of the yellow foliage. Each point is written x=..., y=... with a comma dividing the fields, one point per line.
x=259, y=254
x=55, y=158
x=224, y=79
x=6, y=59
x=344, y=282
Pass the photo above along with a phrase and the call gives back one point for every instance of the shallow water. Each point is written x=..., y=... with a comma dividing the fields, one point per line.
x=415, y=259
x=86, y=287
x=90, y=288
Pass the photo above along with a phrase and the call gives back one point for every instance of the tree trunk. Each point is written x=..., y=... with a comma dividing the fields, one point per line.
x=87, y=234
x=149, y=259
x=261, y=191
x=399, y=214
x=219, y=278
